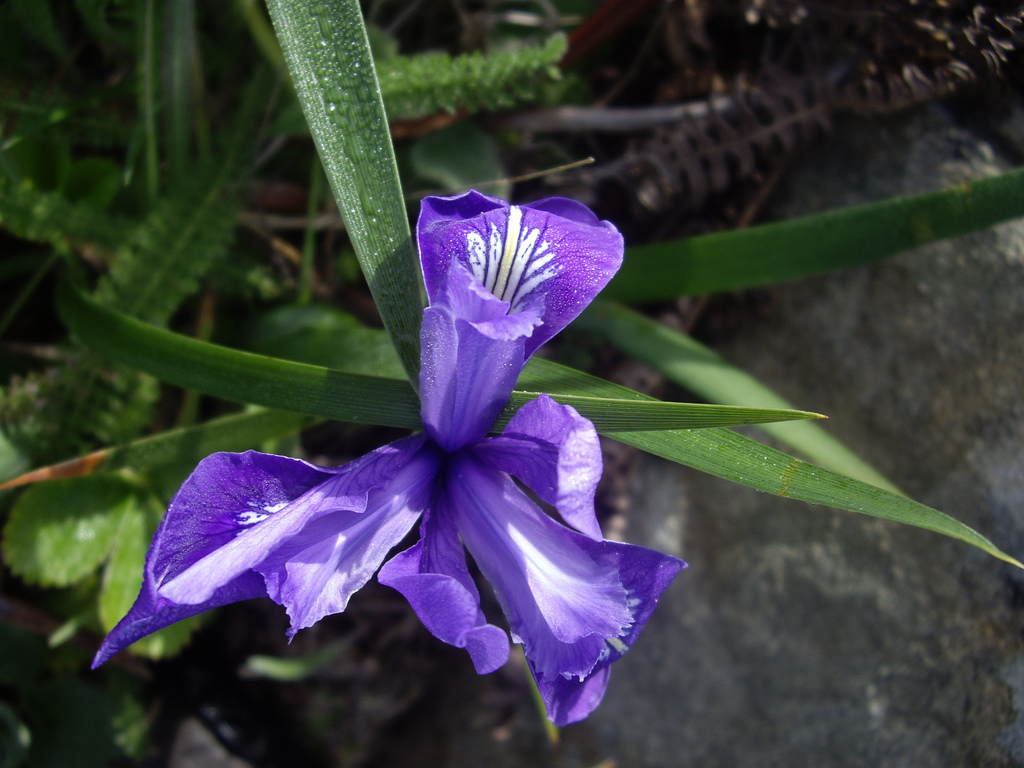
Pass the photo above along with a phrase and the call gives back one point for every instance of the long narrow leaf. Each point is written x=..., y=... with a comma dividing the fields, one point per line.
x=690, y=364
x=319, y=391
x=234, y=375
x=328, y=54
x=189, y=444
x=726, y=454
x=342, y=395
x=744, y=258
x=732, y=456
x=616, y=413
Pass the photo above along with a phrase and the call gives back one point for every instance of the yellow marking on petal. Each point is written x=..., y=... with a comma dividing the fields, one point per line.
x=515, y=223
x=617, y=644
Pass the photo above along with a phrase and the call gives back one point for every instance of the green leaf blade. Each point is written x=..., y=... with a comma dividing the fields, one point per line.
x=770, y=253
x=329, y=393
x=610, y=414
x=731, y=456
x=328, y=54
x=238, y=376
x=726, y=454
x=690, y=364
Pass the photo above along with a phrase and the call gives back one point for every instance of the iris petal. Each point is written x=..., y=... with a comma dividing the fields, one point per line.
x=560, y=599
x=226, y=495
x=433, y=577
x=556, y=453
x=228, y=516
x=472, y=354
x=550, y=257
x=316, y=571
x=645, y=574
x=343, y=489
x=569, y=701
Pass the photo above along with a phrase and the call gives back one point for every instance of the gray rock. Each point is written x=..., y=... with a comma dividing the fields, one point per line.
x=806, y=636
x=195, y=747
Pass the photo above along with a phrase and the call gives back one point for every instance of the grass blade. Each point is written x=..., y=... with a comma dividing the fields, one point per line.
x=610, y=414
x=190, y=444
x=328, y=55
x=731, y=456
x=690, y=364
x=235, y=375
x=745, y=258
x=343, y=395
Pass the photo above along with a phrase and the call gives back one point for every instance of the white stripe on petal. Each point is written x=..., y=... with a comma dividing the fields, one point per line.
x=257, y=513
x=527, y=287
x=477, y=255
x=524, y=250
x=513, y=264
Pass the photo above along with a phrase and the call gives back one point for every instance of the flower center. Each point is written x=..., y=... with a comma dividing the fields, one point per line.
x=511, y=267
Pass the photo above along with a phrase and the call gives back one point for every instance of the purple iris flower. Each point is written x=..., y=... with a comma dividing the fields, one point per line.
x=501, y=280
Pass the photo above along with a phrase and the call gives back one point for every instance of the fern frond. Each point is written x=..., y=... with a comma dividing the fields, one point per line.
x=166, y=256
x=415, y=86
x=75, y=408
x=187, y=233
x=44, y=217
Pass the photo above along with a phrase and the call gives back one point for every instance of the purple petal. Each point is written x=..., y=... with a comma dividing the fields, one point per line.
x=556, y=453
x=315, y=572
x=433, y=577
x=575, y=604
x=561, y=600
x=439, y=236
x=228, y=517
x=344, y=489
x=646, y=574
x=569, y=701
x=551, y=257
x=472, y=354
x=225, y=495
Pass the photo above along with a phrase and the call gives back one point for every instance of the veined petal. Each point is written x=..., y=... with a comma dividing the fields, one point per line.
x=433, y=577
x=561, y=598
x=344, y=489
x=569, y=701
x=556, y=453
x=225, y=495
x=315, y=572
x=645, y=574
x=472, y=354
x=550, y=257
x=227, y=517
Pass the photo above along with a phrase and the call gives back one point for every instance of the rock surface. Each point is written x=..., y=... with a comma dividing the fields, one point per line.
x=806, y=636
x=195, y=747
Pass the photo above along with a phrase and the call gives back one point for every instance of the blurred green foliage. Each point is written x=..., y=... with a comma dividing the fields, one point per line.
x=154, y=154
x=132, y=135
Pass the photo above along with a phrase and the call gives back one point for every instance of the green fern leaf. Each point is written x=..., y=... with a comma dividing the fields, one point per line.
x=167, y=256
x=45, y=217
x=415, y=86
x=188, y=232
x=64, y=411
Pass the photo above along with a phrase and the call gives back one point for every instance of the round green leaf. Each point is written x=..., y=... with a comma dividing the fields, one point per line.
x=60, y=531
x=122, y=579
